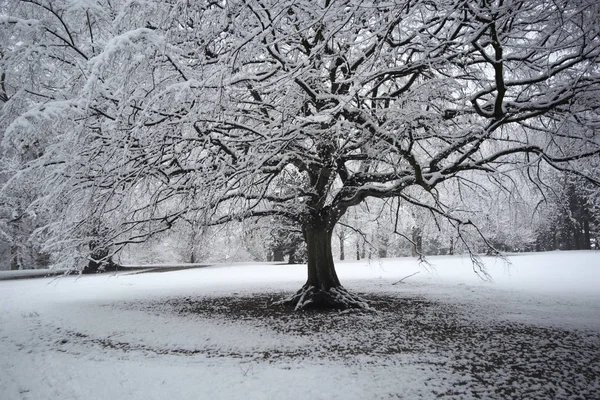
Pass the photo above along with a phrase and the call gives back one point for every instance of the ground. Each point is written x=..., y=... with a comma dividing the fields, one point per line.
x=212, y=333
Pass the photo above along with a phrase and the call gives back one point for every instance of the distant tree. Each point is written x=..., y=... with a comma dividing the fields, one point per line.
x=286, y=241
x=176, y=108
x=342, y=234
x=570, y=220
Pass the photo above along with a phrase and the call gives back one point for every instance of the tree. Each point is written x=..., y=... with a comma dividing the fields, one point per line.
x=43, y=58
x=19, y=231
x=569, y=219
x=203, y=108
x=285, y=239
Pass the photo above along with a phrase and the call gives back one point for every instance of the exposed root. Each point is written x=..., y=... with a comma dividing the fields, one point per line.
x=336, y=298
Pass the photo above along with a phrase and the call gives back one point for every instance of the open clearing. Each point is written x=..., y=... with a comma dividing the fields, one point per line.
x=210, y=333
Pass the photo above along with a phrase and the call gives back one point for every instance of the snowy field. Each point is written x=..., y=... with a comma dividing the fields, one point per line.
x=208, y=334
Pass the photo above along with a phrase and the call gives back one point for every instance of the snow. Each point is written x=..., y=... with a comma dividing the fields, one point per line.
x=122, y=336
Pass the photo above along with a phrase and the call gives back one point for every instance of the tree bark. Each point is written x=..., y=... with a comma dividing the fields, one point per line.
x=321, y=269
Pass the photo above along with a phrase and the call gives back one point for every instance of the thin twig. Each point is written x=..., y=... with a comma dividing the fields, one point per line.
x=406, y=277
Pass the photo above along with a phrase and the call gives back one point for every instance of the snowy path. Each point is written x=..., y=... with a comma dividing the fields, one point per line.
x=135, y=336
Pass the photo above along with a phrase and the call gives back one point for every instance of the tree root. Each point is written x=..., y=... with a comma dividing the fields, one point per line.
x=336, y=298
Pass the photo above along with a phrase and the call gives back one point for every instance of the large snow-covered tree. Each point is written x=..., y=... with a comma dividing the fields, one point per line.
x=216, y=111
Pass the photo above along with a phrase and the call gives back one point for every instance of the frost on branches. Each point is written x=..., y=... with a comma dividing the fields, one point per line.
x=217, y=111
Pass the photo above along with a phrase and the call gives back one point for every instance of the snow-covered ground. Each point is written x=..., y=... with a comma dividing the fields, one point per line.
x=180, y=335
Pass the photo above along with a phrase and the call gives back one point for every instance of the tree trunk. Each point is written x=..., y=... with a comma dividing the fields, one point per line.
x=14, y=258
x=278, y=254
x=342, y=238
x=417, y=238
x=321, y=270
x=322, y=289
x=383, y=246
x=587, y=243
x=292, y=255
x=578, y=236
